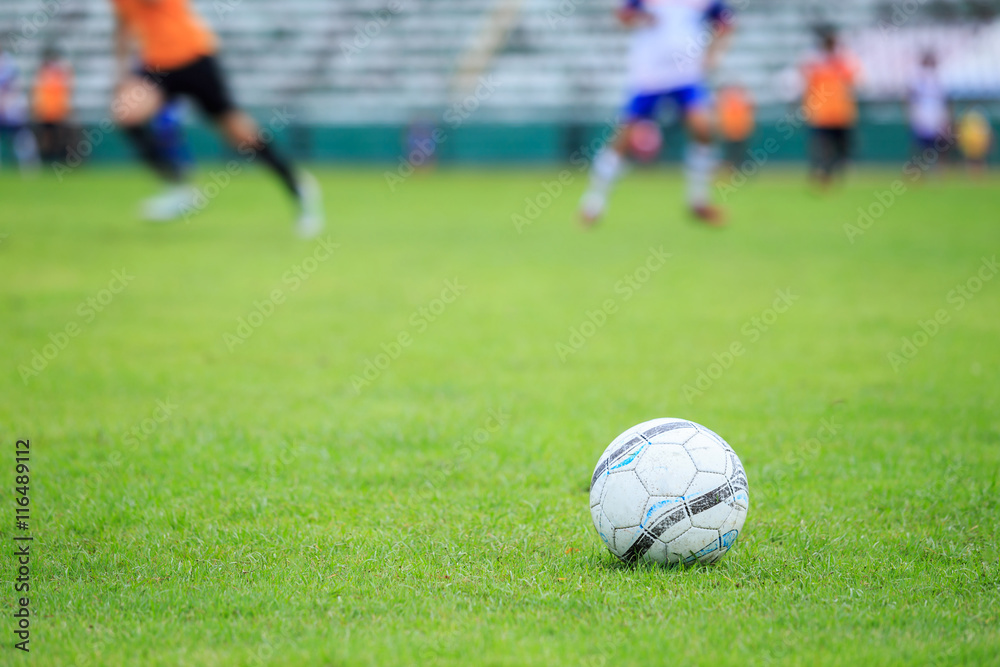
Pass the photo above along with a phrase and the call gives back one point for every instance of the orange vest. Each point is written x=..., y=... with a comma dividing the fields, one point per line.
x=52, y=92
x=829, y=99
x=169, y=33
x=735, y=115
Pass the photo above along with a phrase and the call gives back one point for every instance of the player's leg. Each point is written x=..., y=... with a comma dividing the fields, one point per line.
x=842, y=150
x=137, y=100
x=820, y=155
x=26, y=149
x=607, y=165
x=45, y=139
x=700, y=160
x=204, y=82
x=244, y=134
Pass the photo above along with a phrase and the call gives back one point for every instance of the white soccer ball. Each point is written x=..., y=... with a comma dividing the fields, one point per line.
x=670, y=491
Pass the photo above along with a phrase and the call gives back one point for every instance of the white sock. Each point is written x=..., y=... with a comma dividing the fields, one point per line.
x=699, y=166
x=605, y=170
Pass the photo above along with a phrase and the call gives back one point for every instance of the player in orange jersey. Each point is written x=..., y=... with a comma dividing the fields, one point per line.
x=735, y=112
x=829, y=107
x=51, y=104
x=178, y=54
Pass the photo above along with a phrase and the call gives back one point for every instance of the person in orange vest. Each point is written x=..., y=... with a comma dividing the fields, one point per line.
x=735, y=111
x=178, y=53
x=51, y=104
x=829, y=107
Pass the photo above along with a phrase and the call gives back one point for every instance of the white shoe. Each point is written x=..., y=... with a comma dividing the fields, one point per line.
x=169, y=205
x=592, y=208
x=311, y=217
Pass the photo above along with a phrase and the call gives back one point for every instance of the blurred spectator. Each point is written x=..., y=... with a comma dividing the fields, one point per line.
x=51, y=104
x=14, y=114
x=928, y=105
x=735, y=111
x=975, y=139
x=421, y=143
x=830, y=107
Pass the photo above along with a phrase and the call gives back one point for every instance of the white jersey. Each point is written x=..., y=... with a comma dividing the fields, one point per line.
x=928, y=104
x=670, y=53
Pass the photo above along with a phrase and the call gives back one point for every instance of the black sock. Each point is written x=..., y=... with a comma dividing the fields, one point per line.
x=144, y=141
x=280, y=167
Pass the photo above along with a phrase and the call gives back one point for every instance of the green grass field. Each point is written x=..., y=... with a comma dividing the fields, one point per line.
x=205, y=491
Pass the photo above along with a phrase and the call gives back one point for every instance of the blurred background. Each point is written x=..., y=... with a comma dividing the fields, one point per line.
x=508, y=80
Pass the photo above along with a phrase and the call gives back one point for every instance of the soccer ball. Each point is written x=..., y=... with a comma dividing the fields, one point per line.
x=670, y=491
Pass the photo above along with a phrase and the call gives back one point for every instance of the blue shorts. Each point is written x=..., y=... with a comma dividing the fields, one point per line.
x=646, y=105
x=926, y=141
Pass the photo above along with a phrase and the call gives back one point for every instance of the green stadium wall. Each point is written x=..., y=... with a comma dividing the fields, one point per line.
x=778, y=139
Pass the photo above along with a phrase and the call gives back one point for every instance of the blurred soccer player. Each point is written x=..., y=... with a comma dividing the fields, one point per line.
x=14, y=114
x=178, y=53
x=51, y=104
x=975, y=139
x=667, y=64
x=829, y=107
x=928, y=106
x=736, y=122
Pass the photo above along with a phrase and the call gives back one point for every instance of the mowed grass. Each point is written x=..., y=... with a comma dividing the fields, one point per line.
x=291, y=510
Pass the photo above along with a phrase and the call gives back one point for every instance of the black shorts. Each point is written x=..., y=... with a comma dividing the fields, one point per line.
x=831, y=147
x=201, y=80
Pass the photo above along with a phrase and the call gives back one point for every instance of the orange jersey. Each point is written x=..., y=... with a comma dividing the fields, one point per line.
x=169, y=32
x=735, y=114
x=829, y=98
x=51, y=96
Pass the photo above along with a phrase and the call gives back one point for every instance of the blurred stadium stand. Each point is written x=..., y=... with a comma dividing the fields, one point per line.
x=557, y=63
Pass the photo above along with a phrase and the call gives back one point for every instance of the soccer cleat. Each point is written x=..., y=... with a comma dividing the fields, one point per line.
x=591, y=208
x=709, y=215
x=170, y=204
x=311, y=218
